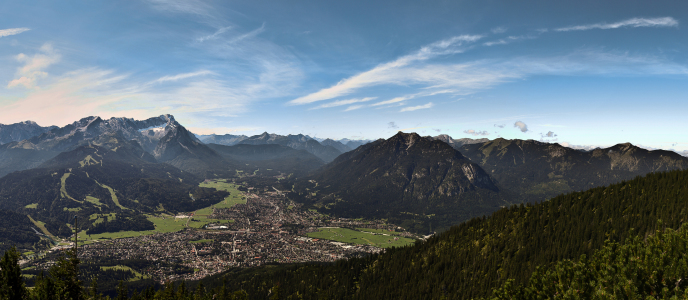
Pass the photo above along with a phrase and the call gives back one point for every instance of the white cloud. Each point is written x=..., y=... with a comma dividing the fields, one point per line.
x=396, y=100
x=215, y=35
x=183, y=76
x=412, y=108
x=392, y=125
x=549, y=134
x=33, y=68
x=497, y=42
x=476, y=133
x=69, y=98
x=521, y=126
x=353, y=107
x=497, y=30
x=194, y=7
x=249, y=34
x=634, y=22
x=345, y=102
x=390, y=73
x=12, y=31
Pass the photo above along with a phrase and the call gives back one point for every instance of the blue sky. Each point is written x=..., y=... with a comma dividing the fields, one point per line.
x=573, y=72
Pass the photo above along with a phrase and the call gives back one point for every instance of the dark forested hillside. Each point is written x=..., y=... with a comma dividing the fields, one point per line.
x=95, y=180
x=538, y=171
x=271, y=156
x=15, y=229
x=475, y=257
x=407, y=179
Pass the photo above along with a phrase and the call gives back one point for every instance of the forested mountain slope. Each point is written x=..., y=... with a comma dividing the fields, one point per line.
x=407, y=179
x=538, y=171
x=97, y=180
x=270, y=156
x=475, y=257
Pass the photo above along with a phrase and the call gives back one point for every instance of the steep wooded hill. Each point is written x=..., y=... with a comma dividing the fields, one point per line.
x=97, y=180
x=408, y=179
x=281, y=159
x=473, y=258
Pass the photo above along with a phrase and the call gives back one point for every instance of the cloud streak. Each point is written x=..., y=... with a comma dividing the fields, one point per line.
x=12, y=31
x=183, y=76
x=389, y=73
x=413, y=108
x=215, y=35
x=345, y=102
x=634, y=22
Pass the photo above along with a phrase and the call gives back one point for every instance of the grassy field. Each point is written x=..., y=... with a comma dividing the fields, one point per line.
x=41, y=227
x=112, y=194
x=235, y=196
x=163, y=224
x=63, y=188
x=378, y=231
x=137, y=275
x=94, y=200
x=360, y=238
x=167, y=223
x=99, y=218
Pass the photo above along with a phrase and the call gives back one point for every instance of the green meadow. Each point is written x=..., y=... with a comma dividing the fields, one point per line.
x=350, y=236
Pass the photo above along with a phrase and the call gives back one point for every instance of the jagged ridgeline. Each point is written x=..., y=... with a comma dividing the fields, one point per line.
x=475, y=257
x=96, y=182
x=537, y=171
x=406, y=179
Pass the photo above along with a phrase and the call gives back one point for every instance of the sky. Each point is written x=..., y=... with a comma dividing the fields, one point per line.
x=579, y=73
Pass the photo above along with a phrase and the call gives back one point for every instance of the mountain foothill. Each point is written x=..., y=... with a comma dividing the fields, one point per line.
x=426, y=184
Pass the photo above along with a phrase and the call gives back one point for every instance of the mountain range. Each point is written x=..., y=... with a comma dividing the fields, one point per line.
x=424, y=184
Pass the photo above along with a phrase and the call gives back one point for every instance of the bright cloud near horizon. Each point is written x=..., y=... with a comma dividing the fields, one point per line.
x=594, y=74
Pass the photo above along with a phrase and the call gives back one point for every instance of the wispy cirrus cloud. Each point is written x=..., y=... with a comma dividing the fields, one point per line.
x=194, y=7
x=34, y=66
x=345, y=102
x=634, y=22
x=413, y=108
x=354, y=107
x=390, y=73
x=215, y=35
x=12, y=31
x=247, y=35
x=183, y=76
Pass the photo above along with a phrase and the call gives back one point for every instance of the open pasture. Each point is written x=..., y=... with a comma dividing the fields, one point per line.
x=350, y=236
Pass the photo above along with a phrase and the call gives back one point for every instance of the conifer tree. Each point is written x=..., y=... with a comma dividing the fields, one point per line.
x=11, y=282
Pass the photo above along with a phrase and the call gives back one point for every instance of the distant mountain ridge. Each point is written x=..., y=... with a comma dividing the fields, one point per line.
x=21, y=131
x=298, y=142
x=540, y=170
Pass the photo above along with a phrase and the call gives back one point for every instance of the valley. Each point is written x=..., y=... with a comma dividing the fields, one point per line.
x=246, y=229
x=157, y=206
